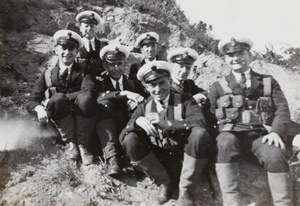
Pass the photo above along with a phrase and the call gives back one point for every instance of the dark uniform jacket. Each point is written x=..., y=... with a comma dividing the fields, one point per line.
x=92, y=59
x=121, y=113
x=108, y=91
x=189, y=86
x=191, y=116
x=281, y=114
x=76, y=83
x=135, y=68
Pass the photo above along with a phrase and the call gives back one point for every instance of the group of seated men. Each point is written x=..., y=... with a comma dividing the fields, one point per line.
x=162, y=121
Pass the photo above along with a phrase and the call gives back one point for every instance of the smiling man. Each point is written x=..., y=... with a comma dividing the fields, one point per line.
x=62, y=95
x=148, y=44
x=252, y=115
x=168, y=125
x=182, y=60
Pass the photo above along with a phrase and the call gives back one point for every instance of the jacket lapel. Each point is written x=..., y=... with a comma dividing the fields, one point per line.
x=170, y=110
x=55, y=75
x=108, y=86
x=256, y=81
x=75, y=71
x=128, y=84
x=234, y=86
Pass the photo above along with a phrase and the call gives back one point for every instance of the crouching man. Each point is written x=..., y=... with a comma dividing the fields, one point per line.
x=63, y=95
x=168, y=122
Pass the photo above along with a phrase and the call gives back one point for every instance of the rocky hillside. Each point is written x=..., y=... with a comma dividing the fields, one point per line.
x=33, y=171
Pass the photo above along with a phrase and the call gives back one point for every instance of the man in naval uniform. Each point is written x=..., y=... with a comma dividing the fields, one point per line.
x=63, y=95
x=89, y=53
x=252, y=115
x=148, y=43
x=169, y=122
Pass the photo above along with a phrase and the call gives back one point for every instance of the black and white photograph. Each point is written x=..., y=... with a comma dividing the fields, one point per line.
x=143, y=103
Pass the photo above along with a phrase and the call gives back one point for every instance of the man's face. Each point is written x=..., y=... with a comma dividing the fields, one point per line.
x=239, y=61
x=87, y=30
x=66, y=53
x=115, y=69
x=159, y=88
x=149, y=51
x=181, y=71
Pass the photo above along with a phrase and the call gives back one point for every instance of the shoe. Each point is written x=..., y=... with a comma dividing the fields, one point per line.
x=164, y=195
x=113, y=166
x=72, y=151
x=184, y=199
x=86, y=156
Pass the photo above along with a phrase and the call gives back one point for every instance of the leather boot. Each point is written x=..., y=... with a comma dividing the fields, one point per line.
x=106, y=132
x=84, y=130
x=192, y=168
x=66, y=129
x=228, y=174
x=280, y=188
x=113, y=167
x=152, y=167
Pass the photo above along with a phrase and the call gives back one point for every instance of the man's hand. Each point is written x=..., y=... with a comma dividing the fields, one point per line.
x=158, y=119
x=273, y=138
x=145, y=124
x=41, y=114
x=133, y=96
x=131, y=104
x=200, y=99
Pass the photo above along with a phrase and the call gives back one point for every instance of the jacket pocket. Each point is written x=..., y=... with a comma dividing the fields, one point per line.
x=224, y=101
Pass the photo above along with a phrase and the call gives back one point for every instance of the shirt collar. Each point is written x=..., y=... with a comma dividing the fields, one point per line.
x=86, y=43
x=165, y=102
x=63, y=67
x=147, y=60
x=238, y=76
x=84, y=39
x=114, y=82
x=176, y=81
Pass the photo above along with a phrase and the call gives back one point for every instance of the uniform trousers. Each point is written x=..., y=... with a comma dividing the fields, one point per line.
x=196, y=143
x=231, y=145
x=60, y=106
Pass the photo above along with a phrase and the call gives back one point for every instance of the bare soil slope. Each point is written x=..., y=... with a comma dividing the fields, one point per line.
x=33, y=170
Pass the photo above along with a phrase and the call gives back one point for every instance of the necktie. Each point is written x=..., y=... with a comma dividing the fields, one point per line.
x=64, y=75
x=118, y=86
x=90, y=46
x=242, y=81
x=162, y=104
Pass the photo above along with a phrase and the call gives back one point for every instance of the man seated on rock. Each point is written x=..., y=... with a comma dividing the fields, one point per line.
x=89, y=53
x=252, y=115
x=117, y=93
x=168, y=123
x=182, y=60
x=64, y=96
x=148, y=43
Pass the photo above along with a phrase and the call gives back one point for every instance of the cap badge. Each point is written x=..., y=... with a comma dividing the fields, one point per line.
x=69, y=35
x=185, y=55
x=117, y=50
x=154, y=68
x=148, y=36
x=92, y=16
x=233, y=42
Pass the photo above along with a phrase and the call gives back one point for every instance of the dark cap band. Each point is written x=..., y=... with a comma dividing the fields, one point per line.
x=115, y=55
x=183, y=59
x=235, y=46
x=68, y=40
x=155, y=73
x=89, y=19
x=148, y=40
